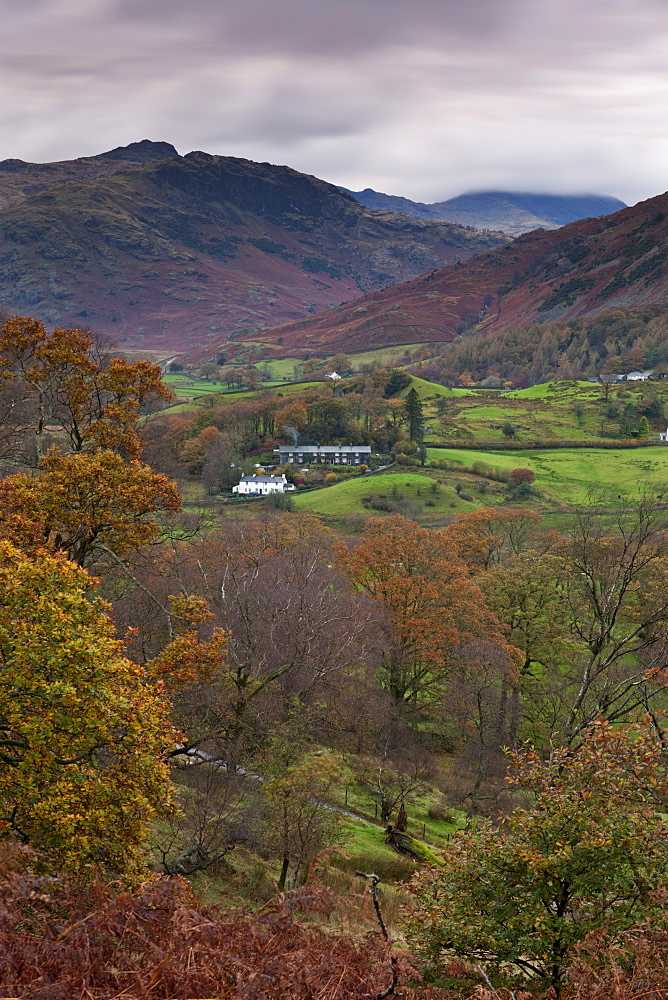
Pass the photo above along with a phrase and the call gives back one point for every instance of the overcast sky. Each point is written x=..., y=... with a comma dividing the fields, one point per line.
x=423, y=98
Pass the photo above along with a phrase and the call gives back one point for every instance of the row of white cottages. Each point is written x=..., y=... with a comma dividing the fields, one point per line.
x=315, y=454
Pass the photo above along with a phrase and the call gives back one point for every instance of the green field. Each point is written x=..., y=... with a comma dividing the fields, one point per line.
x=561, y=411
x=233, y=396
x=186, y=386
x=570, y=474
x=430, y=391
x=385, y=357
x=412, y=494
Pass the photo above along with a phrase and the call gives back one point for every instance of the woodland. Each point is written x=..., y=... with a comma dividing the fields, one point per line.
x=246, y=754
x=618, y=341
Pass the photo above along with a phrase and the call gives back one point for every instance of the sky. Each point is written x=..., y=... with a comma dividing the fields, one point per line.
x=421, y=98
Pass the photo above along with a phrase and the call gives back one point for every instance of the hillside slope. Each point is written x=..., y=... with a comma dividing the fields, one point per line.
x=579, y=270
x=19, y=180
x=510, y=211
x=169, y=253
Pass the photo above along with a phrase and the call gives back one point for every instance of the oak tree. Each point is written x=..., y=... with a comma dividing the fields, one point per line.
x=86, y=505
x=83, y=730
x=70, y=383
x=432, y=605
x=588, y=852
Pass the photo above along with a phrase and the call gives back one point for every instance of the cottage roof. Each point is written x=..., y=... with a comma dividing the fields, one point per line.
x=326, y=449
x=262, y=479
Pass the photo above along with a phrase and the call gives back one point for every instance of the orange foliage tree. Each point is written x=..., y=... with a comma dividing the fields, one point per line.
x=69, y=380
x=482, y=536
x=432, y=604
x=85, y=504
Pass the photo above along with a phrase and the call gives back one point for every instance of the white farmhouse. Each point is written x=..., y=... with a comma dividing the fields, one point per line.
x=262, y=485
x=663, y=436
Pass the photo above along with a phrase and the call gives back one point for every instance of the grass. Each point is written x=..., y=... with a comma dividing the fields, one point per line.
x=186, y=386
x=407, y=493
x=570, y=474
x=429, y=391
x=566, y=411
x=216, y=398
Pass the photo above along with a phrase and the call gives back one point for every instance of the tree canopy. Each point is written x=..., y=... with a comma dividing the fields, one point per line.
x=82, y=730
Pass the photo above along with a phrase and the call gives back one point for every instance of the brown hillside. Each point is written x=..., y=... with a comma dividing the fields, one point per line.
x=579, y=270
x=171, y=253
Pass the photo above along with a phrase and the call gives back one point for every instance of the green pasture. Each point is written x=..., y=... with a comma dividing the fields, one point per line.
x=417, y=496
x=571, y=389
x=430, y=391
x=384, y=357
x=571, y=474
x=569, y=410
x=233, y=396
x=187, y=386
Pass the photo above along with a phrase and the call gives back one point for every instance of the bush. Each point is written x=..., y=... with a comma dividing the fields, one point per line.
x=281, y=501
x=522, y=476
x=158, y=942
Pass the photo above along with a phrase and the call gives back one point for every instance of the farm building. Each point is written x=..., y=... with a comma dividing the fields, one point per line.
x=262, y=485
x=324, y=454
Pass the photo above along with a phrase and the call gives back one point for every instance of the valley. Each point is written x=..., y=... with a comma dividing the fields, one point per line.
x=287, y=692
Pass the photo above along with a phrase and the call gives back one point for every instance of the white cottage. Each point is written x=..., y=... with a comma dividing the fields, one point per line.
x=262, y=485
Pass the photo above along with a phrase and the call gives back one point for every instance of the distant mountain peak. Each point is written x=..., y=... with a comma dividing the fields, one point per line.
x=512, y=212
x=145, y=149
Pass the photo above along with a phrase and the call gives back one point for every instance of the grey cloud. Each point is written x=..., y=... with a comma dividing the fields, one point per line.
x=424, y=101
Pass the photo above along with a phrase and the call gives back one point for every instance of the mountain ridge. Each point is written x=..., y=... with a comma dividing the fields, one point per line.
x=513, y=212
x=166, y=252
x=546, y=276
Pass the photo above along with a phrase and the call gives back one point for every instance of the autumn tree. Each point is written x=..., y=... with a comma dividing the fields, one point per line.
x=432, y=605
x=483, y=537
x=587, y=852
x=590, y=618
x=85, y=505
x=298, y=781
x=293, y=625
x=82, y=730
x=69, y=380
x=618, y=602
x=529, y=594
x=394, y=779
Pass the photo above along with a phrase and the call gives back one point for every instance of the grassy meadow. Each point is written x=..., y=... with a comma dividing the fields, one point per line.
x=422, y=497
x=570, y=411
x=570, y=474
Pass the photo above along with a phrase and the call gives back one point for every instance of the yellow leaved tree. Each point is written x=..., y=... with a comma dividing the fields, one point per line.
x=83, y=730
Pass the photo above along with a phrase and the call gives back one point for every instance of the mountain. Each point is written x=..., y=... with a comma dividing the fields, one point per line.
x=577, y=271
x=511, y=212
x=19, y=180
x=167, y=252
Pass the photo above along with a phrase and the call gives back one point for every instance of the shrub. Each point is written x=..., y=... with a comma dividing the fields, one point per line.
x=522, y=476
